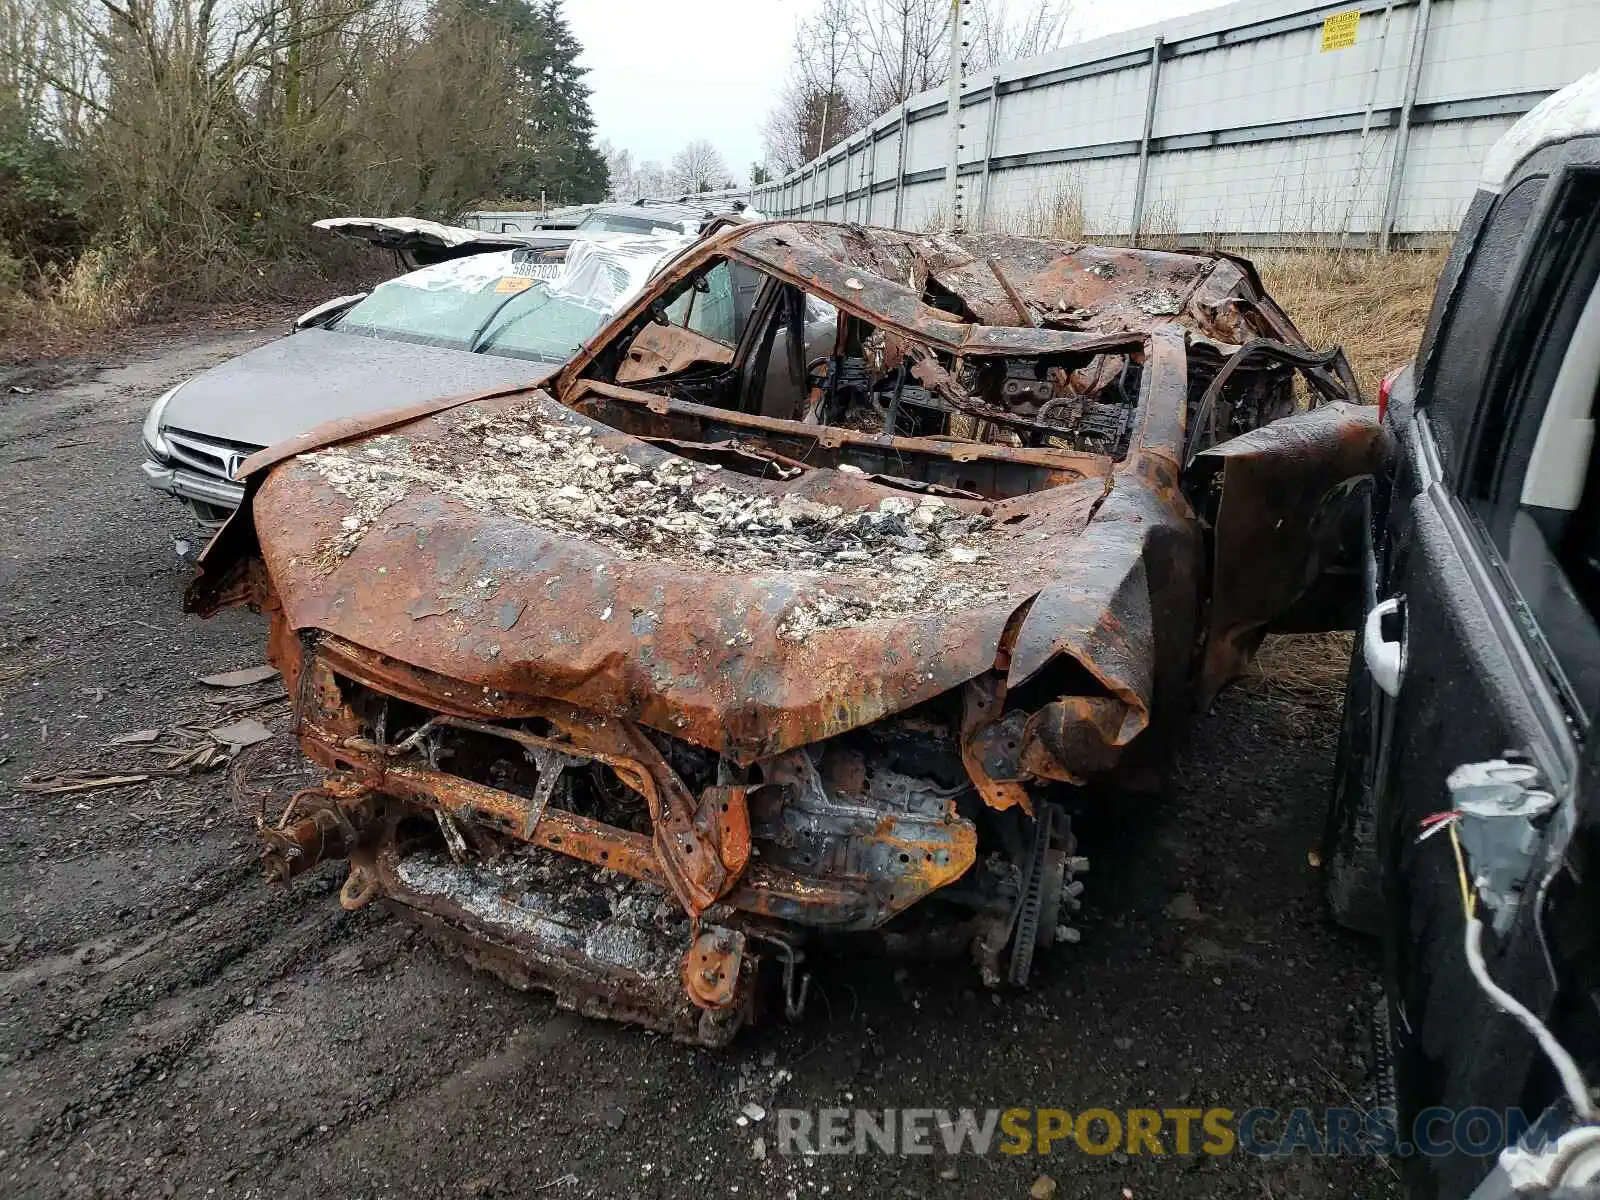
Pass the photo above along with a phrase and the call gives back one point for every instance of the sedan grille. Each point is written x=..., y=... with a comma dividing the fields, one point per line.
x=210, y=455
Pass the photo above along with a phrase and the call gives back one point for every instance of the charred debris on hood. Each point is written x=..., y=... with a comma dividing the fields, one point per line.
x=719, y=646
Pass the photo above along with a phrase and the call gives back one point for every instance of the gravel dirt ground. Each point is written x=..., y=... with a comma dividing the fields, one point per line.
x=171, y=1026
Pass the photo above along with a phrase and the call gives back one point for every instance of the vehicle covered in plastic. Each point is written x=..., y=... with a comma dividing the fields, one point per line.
x=718, y=645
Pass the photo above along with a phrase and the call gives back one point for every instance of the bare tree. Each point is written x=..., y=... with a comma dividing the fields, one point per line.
x=825, y=48
x=620, y=171
x=46, y=60
x=821, y=102
x=698, y=167
x=856, y=59
x=651, y=180
x=998, y=37
x=903, y=48
x=211, y=132
x=805, y=119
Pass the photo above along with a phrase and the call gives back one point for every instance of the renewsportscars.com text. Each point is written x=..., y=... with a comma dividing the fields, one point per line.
x=1351, y=1132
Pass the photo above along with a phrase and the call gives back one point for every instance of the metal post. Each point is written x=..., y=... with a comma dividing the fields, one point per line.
x=1359, y=176
x=844, y=199
x=1402, y=135
x=900, y=166
x=872, y=175
x=1137, y=222
x=988, y=152
x=952, y=115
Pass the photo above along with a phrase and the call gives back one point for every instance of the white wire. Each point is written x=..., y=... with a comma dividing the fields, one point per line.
x=1571, y=1077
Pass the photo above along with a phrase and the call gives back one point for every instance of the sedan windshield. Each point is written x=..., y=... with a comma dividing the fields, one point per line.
x=518, y=304
x=612, y=222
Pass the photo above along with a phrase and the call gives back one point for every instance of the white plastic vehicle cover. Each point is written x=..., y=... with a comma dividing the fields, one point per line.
x=386, y=229
x=605, y=272
x=1572, y=112
x=601, y=271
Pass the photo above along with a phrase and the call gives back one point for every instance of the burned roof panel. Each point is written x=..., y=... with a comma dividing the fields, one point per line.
x=941, y=282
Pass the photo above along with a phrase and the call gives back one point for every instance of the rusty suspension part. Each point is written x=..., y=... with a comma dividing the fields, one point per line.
x=336, y=817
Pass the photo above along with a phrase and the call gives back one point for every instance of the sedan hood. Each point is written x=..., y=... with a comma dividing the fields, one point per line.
x=285, y=387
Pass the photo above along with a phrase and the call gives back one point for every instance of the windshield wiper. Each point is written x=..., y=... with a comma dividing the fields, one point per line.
x=472, y=342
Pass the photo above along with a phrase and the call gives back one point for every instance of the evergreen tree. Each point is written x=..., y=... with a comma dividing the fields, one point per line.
x=556, y=157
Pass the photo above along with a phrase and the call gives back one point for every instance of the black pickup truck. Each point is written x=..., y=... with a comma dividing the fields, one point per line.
x=1465, y=822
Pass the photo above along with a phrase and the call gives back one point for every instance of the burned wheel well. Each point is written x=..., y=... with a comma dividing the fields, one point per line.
x=1062, y=676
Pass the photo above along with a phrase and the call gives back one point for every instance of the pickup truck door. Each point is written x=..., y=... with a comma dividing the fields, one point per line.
x=1483, y=648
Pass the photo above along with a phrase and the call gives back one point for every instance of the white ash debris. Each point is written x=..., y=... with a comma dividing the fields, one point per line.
x=920, y=552
x=639, y=928
x=369, y=496
x=1158, y=302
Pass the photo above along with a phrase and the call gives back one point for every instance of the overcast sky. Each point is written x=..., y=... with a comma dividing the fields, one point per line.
x=663, y=73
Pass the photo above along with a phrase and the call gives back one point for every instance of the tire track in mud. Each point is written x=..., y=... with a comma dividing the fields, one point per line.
x=147, y=1012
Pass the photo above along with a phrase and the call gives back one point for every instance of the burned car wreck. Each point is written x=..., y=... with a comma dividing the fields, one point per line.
x=730, y=637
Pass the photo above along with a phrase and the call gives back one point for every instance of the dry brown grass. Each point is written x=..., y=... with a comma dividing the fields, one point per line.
x=1304, y=668
x=1374, y=305
x=82, y=300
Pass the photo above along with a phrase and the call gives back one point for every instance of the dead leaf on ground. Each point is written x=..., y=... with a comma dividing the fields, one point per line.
x=243, y=677
x=139, y=737
x=1182, y=907
x=242, y=733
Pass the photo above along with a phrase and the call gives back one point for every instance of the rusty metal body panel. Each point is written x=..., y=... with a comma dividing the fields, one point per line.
x=795, y=675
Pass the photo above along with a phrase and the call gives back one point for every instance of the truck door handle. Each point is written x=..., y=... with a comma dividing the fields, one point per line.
x=1382, y=645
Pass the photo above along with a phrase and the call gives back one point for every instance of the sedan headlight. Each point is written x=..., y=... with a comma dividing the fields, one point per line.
x=156, y=445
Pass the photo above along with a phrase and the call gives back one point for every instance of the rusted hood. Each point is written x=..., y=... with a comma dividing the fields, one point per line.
x=520, y=548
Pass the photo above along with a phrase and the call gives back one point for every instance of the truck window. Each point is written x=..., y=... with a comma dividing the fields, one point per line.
x=1459, y=363
x=1534, y=478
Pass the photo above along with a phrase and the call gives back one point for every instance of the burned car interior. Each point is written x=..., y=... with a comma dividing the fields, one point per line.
x=735, y=336
x=807, y=600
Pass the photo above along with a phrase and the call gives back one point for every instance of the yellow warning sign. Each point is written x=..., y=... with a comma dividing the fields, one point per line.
x=1339, y=30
